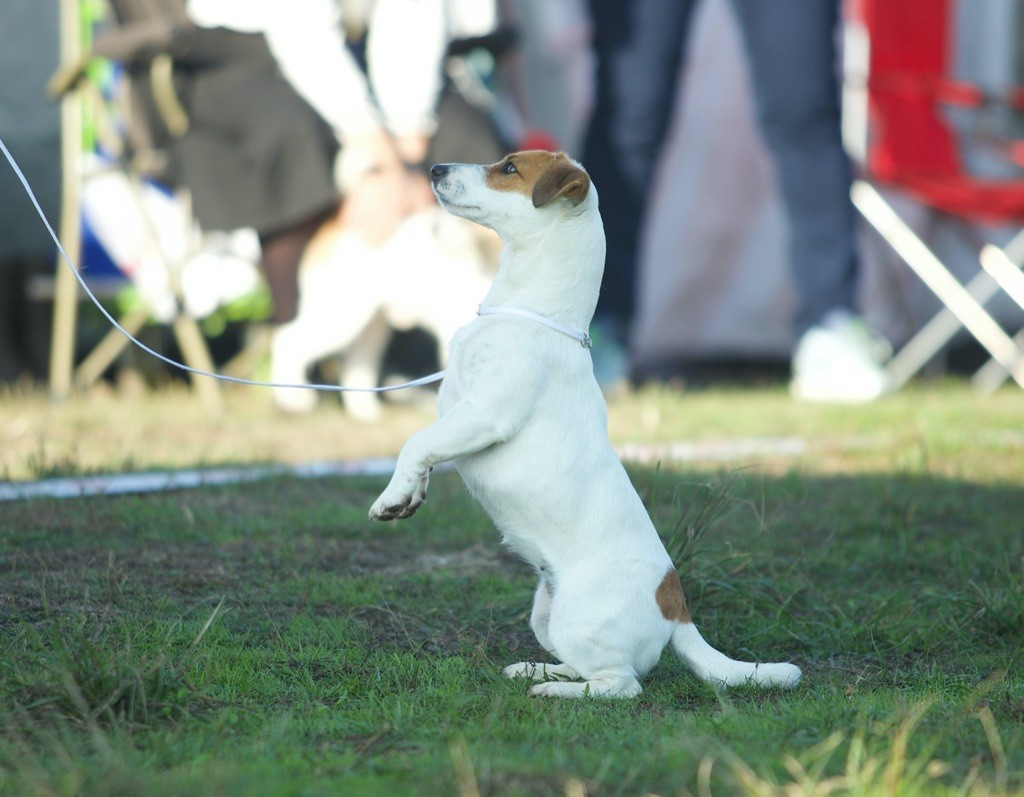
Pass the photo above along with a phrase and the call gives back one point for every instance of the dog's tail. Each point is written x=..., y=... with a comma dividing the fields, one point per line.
x=714, y=667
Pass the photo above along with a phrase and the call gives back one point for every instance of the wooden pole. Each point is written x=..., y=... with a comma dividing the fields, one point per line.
x=65, y=301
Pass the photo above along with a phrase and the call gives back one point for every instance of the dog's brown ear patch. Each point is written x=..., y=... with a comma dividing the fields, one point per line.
x=670, y=598
x=561, y=179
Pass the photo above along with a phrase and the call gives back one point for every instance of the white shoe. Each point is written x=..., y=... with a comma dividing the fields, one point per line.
x=840, y=360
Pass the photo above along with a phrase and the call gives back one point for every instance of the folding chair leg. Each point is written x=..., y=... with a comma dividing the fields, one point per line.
x=197, y=355
x=917, y=352
x=1004, y=271
x=935, y=275
x=65, y=309
x=991, y=375
x=255, y=349
x=65, y=300
x=1004, y=268
x=113, y=343
x=921, y=348
x=186, y=332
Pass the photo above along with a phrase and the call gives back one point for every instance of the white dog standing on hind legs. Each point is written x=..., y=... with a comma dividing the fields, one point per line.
x=525, y=423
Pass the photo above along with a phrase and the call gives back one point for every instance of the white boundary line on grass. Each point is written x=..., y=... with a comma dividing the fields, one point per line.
x=162, y=481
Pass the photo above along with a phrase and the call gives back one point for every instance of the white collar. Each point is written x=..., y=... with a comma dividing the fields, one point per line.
x=575, y=334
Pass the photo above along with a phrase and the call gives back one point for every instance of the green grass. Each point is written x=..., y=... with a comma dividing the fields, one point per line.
x=267, y=639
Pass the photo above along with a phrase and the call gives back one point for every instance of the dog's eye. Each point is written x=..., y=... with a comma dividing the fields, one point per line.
x=509, y=168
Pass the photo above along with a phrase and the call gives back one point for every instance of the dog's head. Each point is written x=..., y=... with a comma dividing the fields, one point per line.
x=521, y=190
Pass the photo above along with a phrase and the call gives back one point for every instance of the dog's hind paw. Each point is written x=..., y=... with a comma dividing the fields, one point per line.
x=613, y=686
x=540, y=672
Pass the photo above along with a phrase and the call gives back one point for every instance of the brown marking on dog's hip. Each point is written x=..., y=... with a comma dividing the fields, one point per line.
x=670, y=598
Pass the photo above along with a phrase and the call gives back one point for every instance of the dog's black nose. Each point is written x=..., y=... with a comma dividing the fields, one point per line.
x=439, y=170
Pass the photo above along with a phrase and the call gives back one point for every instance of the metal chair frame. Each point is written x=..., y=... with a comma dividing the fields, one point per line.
x=964, y=305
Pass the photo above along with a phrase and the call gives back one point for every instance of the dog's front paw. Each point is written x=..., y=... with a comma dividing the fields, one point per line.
x=396, y=505
x=384, y=510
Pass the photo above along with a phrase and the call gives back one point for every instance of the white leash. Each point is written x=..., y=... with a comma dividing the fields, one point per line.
x=582, y=337
x=575, y=334
x=426, y=380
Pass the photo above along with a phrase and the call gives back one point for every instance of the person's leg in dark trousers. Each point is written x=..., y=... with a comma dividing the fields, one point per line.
x=281, y=255
x=638, y=46
x=791, y=50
